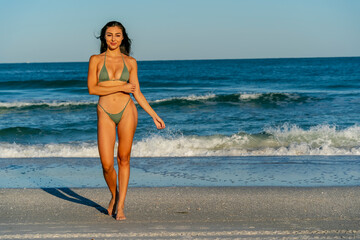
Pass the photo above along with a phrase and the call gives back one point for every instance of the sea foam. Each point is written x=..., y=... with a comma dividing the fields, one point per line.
x=20, y=104
x=191, y=97
x=264, y=98
x=279, y=141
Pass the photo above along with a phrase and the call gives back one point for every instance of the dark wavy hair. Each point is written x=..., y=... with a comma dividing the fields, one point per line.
x=125, y=46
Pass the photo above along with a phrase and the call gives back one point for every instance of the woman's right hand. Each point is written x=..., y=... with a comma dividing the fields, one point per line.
x=128, y=88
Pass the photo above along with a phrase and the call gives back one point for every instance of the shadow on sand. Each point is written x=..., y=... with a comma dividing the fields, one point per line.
x=70, y=195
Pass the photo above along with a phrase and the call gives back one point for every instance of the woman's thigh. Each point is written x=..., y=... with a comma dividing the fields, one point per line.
x=106, y=138
x=126, y=129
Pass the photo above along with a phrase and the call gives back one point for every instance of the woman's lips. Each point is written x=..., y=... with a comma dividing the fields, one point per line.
x=113, y=43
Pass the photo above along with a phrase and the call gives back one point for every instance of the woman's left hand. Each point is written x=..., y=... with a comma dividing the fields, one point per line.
x=159, y=122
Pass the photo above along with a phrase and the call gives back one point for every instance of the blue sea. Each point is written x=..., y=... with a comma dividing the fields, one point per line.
x=238, y=122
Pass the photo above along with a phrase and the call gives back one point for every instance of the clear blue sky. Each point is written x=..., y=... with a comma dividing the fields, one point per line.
x=63, y=31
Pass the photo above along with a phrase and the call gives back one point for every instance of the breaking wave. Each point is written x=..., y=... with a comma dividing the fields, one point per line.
x=280, y=141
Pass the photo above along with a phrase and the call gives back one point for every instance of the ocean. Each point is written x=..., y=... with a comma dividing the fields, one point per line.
x=238, y=112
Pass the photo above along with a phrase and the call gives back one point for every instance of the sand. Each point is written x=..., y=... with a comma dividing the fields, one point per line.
x=183, y=213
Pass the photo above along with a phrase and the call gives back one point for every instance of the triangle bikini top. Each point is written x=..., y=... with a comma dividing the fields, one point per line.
x=104, y=76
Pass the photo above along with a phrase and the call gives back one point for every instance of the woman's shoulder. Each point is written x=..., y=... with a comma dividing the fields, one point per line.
x=130, y=60
x=96, y=57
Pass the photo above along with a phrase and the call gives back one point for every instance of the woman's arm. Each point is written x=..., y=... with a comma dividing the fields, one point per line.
x=95, y=89
x=140, y=97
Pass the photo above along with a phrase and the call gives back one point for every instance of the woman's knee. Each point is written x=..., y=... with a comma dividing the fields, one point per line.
x=123, y=159
x=108, y=168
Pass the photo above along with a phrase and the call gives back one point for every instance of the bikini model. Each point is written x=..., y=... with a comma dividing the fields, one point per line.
x=104, y=76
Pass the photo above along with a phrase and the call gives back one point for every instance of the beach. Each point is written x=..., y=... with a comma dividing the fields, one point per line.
x=253, y=149
x=284, y=197
x=183, y=213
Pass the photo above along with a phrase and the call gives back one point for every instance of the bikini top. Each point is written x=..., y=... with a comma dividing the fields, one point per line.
x=104, y=76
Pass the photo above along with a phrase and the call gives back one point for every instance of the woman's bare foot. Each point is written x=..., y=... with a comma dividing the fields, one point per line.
x=111, y=208
x=120, y=214
x=112, y=205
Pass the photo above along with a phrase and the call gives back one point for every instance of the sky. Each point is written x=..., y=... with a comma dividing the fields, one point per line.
x=64, y=31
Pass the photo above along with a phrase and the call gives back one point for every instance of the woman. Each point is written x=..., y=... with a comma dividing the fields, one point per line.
x=113, y=76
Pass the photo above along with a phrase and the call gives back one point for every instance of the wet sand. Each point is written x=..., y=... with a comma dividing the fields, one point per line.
x=183, y=213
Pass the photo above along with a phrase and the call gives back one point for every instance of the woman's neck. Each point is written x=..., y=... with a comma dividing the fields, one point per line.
x=113, y=52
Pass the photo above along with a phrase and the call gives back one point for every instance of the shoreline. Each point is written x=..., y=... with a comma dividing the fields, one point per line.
x=183, y=212
x=293, y=171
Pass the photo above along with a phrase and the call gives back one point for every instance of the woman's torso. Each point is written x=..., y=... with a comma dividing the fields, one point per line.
x=113, y=72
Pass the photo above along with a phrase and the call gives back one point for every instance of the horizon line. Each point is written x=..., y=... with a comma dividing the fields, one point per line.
x=197, y=59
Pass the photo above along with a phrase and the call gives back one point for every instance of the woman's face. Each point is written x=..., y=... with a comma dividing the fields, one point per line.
x=113, y=37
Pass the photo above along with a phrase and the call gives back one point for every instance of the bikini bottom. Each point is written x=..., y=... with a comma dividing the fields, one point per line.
x=116, y=117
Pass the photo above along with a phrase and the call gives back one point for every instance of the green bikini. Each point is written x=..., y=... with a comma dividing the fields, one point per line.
x=104, y=76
